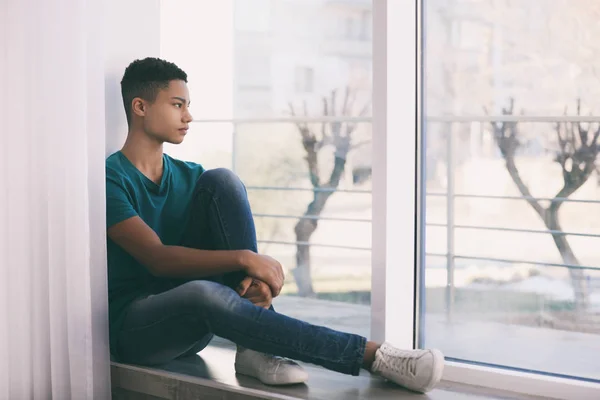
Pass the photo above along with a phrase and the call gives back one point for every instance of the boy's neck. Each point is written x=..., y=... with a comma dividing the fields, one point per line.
x=143, y=152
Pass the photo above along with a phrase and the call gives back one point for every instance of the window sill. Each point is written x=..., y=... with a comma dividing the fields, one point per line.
x=521, y=382
x=212, y=376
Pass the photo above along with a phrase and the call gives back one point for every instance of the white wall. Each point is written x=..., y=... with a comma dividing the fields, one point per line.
x=132, y=32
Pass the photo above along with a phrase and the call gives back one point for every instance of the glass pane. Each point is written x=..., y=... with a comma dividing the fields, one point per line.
x=335, y=267
x=299, y=66
x=512, y=225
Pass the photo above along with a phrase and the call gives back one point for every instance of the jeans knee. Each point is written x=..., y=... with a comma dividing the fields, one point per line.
x=221, y=178
x=207, y=297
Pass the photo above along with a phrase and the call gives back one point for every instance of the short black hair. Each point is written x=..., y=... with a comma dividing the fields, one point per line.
x=144, y=78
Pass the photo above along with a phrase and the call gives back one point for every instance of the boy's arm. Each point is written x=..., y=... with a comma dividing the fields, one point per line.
x=141, y=242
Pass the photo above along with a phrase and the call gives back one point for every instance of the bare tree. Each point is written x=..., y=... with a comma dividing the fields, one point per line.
x=332, y=134
x=577, y=154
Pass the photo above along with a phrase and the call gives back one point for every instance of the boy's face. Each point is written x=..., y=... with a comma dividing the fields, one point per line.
x=168, y=117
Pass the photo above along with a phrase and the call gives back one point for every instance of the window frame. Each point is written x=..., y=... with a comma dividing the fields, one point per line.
x=397, y=250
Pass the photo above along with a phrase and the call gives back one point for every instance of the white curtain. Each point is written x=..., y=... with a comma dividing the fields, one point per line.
x=53, y=306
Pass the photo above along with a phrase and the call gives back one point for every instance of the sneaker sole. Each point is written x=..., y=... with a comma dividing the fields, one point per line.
x=245, y=372
x=438, y=370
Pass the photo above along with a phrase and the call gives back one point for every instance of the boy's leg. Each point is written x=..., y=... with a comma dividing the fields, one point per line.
x=198, y=308
x=221, y=218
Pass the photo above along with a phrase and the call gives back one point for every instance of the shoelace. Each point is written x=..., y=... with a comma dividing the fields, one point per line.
x=277, y=360
x=402, y=363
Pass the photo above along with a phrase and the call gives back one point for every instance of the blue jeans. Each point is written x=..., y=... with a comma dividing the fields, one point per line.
x=183, y=319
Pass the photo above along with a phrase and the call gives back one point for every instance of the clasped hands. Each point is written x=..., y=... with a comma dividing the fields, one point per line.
x=264, y=281
x=258, y=292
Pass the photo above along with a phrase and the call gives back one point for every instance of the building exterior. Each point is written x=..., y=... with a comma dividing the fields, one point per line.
x=295, y=50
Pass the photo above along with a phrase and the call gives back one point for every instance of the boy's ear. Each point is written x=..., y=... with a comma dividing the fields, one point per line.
x=138, y=107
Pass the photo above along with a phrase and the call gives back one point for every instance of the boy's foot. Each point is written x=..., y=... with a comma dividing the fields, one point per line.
x=418, y=370
x=270, y=370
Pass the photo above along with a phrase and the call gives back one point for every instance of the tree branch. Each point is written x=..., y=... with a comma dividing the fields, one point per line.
x=336, y=172
x=325, y=137
x=351, y=127
x=506, y=137
x=311, y=146
x=583, y=133
x=523, y=188
x=595, y=138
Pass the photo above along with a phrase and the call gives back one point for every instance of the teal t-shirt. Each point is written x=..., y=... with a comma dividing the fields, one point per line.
x=165, y=207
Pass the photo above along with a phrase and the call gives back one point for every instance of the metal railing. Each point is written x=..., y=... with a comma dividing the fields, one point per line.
x=313, y=217
x=298, y=189
x=492, y=197
x=312, y=244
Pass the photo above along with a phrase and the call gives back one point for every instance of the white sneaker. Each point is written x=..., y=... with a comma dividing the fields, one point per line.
x=417, y=370
x=270, y=370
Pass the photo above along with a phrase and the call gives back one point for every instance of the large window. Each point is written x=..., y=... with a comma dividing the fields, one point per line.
x=512, y=184
x=445, y=198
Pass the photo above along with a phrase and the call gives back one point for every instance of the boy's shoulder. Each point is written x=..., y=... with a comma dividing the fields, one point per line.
x=114, y=159
x=182, y=164
x=114, y=165
x=118, y=166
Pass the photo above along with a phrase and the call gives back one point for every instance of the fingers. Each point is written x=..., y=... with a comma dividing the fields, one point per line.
x=273, y=294
x=259, y=294
x=244, y=285
x=270, y=272
x=275, y=289
x=265, y=292
x=258, y=289
x=275, y=282
x=280, y=279
x=275, y=286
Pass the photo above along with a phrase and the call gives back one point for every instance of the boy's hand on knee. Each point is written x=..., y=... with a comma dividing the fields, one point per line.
x=258, y=292
x=243, y=286
x=265, y=269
